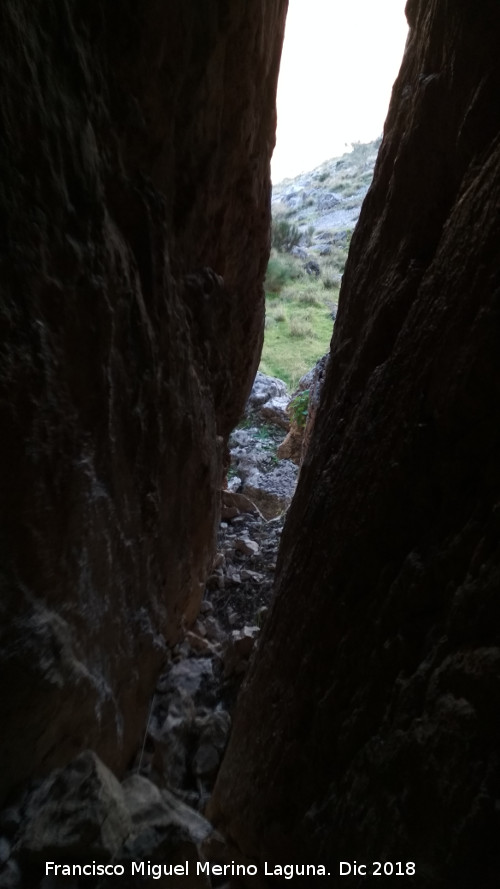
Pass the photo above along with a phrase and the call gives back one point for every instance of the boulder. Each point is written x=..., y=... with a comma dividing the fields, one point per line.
x=266, y=483
x=272, y=491
x=312, y=268
x=327, y=200
x=268, y=400
x=274, y=411
x=291, y=446
x=240, y=502
x=151, y=808
x=78, y=813
x=264, y=388
x=165, y=832
x=246, y=546
x=300, y=252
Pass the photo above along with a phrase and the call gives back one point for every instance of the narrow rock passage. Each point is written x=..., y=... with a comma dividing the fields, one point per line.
x=190, y=717
x=191, y=714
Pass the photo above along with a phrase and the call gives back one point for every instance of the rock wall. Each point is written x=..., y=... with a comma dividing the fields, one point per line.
x=134, y=199
x=368, y=727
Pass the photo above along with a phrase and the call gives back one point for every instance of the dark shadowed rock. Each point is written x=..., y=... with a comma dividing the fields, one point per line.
x=78, y=813
x=81, y=815
x=367, y=725
x=135, y=194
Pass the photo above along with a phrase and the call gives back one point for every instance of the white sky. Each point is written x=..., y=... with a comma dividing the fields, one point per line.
x=340, y=60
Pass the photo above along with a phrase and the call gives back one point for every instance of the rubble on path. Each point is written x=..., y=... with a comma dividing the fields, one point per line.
x=191, y=713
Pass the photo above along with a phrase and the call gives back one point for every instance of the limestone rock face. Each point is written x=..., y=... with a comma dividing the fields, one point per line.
x=134, y=199
x=367, y=728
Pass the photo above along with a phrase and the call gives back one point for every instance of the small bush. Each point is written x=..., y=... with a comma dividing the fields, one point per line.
x=298, y=408
x=284, y=235
x=280, y=271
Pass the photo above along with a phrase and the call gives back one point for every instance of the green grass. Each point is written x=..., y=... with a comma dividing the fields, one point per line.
x=298, y=328
x=281, y=270
x=298, y=307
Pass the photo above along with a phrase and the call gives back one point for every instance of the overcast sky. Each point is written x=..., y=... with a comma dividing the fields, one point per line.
x=340, y=59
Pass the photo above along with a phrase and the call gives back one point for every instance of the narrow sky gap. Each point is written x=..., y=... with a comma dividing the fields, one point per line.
x=340, y=60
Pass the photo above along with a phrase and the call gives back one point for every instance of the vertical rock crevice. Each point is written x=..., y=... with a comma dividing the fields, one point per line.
x=366, y=727
x=135, y=216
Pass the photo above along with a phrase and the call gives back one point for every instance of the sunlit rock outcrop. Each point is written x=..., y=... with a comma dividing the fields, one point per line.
x=368, y=727
x=136, y=139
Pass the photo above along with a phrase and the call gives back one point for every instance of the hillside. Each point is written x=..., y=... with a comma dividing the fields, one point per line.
x=327, y=198
x=314, y=215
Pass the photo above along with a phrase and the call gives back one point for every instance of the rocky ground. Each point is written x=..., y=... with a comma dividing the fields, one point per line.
x=325, y=203
x=81, y=813
x=191, y=713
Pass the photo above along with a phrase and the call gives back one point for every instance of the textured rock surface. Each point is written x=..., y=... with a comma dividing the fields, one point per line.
x=368, y=726
x=134, y=201
x=78, y=808
x=81, y=814
x=259, y=476
x=268, y=401
x=302, y=410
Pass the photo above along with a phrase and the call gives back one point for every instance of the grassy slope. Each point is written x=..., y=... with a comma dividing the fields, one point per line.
x=298, y=328
x=299, y=306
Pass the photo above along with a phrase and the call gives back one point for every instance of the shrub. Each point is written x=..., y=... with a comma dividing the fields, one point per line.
x=299, y=407
x=284, y=235
x=281, y=270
